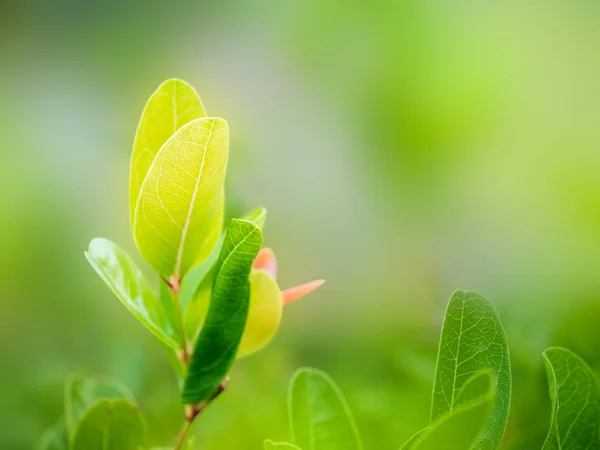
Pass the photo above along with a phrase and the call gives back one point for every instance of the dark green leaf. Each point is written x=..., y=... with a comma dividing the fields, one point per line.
x=127, y=282
x=319, y=415
x=217, y=344
x=110, y=424
x=575, y=402
x=472, y=340
x=82, y=392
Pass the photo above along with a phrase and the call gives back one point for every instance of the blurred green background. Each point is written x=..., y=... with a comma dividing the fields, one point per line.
x=403, y=149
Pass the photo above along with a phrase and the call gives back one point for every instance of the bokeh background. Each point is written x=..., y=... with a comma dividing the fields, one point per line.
x=403, y=148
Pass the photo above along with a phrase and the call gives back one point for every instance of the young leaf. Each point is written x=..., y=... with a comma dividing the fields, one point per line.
x=171, y=106
x=472, y=340
x=82, y=392
x=55, y=438
x=179, y=213
x=270, y=445
x=264, y=315
x=320, y=418
x=110, y=424
x=217, y=345
x=127, y=282
x=575, y=402
x=458, y=429
x=266, y=308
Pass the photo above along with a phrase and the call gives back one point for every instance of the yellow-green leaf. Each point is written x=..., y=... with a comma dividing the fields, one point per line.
x=179, y=212
x=171, y=106
x=265, y=312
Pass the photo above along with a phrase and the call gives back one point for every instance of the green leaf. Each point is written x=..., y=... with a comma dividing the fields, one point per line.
x=201, y=280
x=82, y=392
x=110, y=424
x=127, y=282
x=179, y=213
x=460, y=429
x=216, y=347
x=270, y=445
x=410, y=444
x=320, y=418
x=55, y=438
x=472, y=340
x=171, y=106
x=575, y=402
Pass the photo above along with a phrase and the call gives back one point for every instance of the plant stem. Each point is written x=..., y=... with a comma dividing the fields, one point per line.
x=193, y=411
x=181, y=436
x=175, y=284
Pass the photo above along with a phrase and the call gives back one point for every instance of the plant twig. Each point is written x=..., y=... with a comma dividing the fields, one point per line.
x=181, y=436
x=192, y=411
x=175, y=284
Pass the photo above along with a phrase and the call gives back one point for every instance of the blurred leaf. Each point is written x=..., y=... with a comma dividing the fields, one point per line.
x=122, y=276
x=82, y=392
x=264, y=316
x=320, y=418
x=55, y=438
x=217, y=345
x=110, y=424
x=179, y=213
x=270, y=445
x=189, y=444
x=472, y=340
x=459, y=429
x=171, y=106
x=575, y=402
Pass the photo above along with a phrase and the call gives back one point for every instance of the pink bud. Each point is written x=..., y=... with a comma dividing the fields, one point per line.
x=266, y=260
x=297, y=292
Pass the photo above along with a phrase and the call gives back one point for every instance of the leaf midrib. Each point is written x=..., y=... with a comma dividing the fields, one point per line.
x=192, y=203
x=460, y=332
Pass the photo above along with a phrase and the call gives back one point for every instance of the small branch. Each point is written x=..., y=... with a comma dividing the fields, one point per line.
x=174, y=284
x=181, y=436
